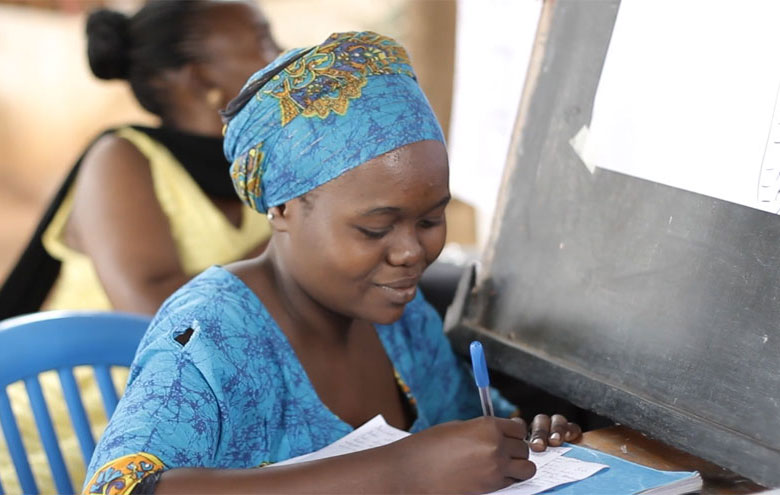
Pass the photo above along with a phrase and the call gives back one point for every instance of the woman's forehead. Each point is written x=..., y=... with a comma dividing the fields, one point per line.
x=394, y=178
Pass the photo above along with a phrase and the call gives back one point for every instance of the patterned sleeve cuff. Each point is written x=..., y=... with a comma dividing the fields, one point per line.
x=121, y=476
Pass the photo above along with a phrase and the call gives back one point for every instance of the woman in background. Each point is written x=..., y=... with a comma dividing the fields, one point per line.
x=145, y=208
x=151, y=207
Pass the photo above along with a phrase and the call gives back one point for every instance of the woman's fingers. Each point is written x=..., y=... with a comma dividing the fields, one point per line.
x=516, y=449
x=540, y=431
x=520, y=469
x=514, y=428
x=558, y=426
x=573, y=432
x=551, y=431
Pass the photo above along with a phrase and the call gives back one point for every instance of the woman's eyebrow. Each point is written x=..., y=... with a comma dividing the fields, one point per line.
x=446, y=199
x=381, y=210
x=386, y=210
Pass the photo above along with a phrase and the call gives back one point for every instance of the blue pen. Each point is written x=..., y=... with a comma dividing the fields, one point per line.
x=481, y=377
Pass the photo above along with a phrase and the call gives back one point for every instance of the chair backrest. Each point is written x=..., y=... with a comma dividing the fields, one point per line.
x=59, y=341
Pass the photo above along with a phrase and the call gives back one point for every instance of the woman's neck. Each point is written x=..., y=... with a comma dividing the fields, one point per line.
x=303, y=317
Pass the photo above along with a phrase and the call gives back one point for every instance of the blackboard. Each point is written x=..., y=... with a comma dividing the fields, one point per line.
x=654, y=306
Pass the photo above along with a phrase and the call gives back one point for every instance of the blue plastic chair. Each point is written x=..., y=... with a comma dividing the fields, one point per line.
x=61, y=340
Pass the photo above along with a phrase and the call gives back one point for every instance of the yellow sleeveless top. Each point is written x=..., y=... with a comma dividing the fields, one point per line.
x=202, y=234
x=203, y=237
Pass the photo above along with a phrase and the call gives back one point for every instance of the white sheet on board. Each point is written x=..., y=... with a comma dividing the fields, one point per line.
x=493, y=46
x=688, y=97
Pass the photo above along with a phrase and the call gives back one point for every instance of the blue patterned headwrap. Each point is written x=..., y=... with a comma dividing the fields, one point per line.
x=335, y=106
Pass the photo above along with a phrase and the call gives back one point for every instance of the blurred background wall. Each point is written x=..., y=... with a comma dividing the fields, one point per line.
x=51, y=106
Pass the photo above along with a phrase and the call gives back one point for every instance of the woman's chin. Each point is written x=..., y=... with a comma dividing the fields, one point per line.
x=387, y=316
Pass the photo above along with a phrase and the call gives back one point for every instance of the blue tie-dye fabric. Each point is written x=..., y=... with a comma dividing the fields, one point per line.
x=344, y=102
x=236, y=396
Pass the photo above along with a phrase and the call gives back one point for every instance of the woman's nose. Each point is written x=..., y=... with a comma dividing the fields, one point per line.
x=406, y=250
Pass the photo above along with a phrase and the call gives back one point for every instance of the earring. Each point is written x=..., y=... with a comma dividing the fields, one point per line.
x=214, y=98
x=270, y=215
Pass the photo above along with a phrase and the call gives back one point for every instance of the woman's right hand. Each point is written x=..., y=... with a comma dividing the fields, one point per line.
x=476, y=456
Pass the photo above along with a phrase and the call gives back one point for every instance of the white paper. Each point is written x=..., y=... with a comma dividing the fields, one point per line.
x=688, y=97
x=551, y=469
x=557, y=472
x=373, y=433
x=493, y=46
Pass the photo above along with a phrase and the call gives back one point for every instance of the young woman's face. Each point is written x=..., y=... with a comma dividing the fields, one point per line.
x=358, y=244
x=238, y=43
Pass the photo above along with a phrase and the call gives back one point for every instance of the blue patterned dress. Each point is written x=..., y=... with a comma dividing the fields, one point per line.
x=236, y=396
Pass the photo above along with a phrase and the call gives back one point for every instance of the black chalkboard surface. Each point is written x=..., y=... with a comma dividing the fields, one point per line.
x=656, y=307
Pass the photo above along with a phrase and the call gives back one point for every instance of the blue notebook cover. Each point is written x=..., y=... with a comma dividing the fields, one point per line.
x=622, y=478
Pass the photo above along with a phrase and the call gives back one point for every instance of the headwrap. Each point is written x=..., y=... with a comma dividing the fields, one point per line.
x=331, y=108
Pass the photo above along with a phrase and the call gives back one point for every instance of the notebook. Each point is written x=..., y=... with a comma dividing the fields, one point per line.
x=565, y=470
x=624, y=477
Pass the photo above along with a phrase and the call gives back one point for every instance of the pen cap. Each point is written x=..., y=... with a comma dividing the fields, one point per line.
x=479, y=365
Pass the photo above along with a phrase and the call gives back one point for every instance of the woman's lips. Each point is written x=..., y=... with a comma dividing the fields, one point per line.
x=401, y=291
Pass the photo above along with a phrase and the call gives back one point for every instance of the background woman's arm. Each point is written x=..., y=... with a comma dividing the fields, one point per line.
x=117, y=221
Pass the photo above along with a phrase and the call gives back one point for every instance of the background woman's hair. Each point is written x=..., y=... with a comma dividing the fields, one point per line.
x=164, y=34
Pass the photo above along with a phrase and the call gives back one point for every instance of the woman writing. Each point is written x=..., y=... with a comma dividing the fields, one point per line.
x=277, y=356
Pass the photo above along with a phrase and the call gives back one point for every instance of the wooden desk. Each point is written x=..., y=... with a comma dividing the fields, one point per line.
x=633, y=446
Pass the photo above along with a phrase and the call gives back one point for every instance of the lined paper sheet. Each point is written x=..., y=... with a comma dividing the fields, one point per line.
x=558, y=471
x=374, y=433
x=551, y=469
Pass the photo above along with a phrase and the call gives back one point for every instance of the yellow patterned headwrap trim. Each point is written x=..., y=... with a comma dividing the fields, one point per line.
x=334, y=73
x=247, y=175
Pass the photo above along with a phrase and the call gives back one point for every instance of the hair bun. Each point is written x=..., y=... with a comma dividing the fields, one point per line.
x=108, y=44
